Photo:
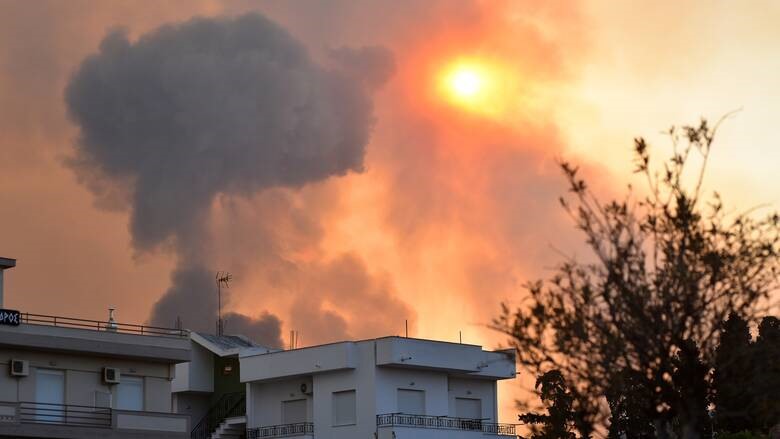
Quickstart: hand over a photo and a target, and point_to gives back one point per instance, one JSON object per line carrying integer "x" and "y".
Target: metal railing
{"x": 229, "y": 405}
{"x": 98, "y": 325}
{"x": 284, "y": 430}
{"x": 64, "y": 414}
{"x": 445, "y": 423}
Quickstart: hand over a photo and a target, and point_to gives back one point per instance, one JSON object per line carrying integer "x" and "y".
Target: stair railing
{"x": 228, "y": 406}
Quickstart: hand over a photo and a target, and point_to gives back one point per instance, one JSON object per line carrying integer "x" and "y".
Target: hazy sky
{"x": 445, "y": 204}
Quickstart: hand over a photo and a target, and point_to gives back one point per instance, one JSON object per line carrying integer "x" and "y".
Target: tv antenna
{"x": 222, "y": 278}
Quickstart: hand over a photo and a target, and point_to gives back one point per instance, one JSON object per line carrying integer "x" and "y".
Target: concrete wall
{"x": 362, "y": 379}
{"x": 455, "y": 357}
{"x": 299, "y": 362}
{"x": 161, "y": 349}
{"x": 194, "y": 405}
{"x": 434, "y": 384}
{"x": 196, "y": 375}
{"x": 83, "y": 377}
{"x": 154, "y": 422}
{"x": 483, "y": 390}
{"x": 267, "y": 398}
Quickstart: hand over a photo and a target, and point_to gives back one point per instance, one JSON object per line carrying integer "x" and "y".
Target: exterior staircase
{"x": 231, "y": 428}
{"x": 225, "y": 419}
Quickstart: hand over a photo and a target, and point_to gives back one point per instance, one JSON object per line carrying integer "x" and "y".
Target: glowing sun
{"x": 466, "y": 82}
{"x": 486, "y": 87}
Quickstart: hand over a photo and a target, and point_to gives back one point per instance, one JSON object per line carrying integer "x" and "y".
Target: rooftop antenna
{"x": 222, "y": 278}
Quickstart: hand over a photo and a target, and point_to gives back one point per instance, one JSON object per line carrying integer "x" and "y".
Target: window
{"x": 411, "y": 402}
{"x": 344, "y": 408}
{"x": 49, "y": 395}
{"x": 294, "y": 412}
{"x": 130, "y": 393}
{"x": 468, "y": 408}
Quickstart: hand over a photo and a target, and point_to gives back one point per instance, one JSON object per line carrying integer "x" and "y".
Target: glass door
{"x": 50, "y": 395}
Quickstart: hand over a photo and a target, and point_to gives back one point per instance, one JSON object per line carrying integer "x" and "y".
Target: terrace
{"x": 84, "y": 336}
{"x": 87, "y": 421}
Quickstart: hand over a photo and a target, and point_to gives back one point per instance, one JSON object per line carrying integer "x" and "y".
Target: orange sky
{"x": 454, "y": 209}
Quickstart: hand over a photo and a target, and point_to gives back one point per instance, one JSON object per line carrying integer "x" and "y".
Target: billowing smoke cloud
{"x": 372, "y": 64}
{"x": 214, "y": 106}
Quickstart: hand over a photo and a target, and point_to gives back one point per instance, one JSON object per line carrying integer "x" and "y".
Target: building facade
{"x": 208, "y": 387}
{"x": 75, "y": 378}
{"x": 385, "y": 388}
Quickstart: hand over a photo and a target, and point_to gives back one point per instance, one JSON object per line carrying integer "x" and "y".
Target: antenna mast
{"x": 222, "y": 278}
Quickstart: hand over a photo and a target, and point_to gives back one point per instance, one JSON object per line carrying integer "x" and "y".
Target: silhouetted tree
{"x": 631, "y": 412}
{"x": 558, "y": 421}
{"x": 733, "y": 377}
{"x": 766, "y": 381}
{"x": 666, "y": 268}
{"x": 690, "y": 381}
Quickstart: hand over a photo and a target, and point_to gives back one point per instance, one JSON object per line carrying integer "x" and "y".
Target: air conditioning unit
{"x": 306, "y": 389}
{"x": 20, "y": 368}
{"x": 111, "y": 375}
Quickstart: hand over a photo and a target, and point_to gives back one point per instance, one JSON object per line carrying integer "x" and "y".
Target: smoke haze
{"x": 402, "y": 207}
{"x": 230, "y": 106}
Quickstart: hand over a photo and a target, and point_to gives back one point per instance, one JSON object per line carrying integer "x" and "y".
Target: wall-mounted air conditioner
{"x": 20, "y": 368}
{"x": 111, "y": 375}
{"x": 306, "y": 389}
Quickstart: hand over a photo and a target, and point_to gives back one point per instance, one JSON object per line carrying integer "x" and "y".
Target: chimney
{"x": 5, "y": 263}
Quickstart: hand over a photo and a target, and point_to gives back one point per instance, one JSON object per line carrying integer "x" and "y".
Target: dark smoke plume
{"x": 213, "y": 106}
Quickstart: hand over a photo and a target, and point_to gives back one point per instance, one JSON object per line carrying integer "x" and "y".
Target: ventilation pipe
{"x": 5, "y": 263}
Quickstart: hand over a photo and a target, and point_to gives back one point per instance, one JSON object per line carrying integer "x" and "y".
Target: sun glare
{"x": 465, "y": 82}
{"x": 477, "y": 86}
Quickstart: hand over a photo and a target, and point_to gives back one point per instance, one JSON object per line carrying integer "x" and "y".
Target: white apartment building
{"x": 76, "y": 378}
{"x": 387, "y": 388}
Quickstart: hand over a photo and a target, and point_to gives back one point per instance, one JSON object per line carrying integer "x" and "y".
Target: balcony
{"x": 403, "y": 426}
{"x": 68, "y": 420}
{"x": 303, "y": 430}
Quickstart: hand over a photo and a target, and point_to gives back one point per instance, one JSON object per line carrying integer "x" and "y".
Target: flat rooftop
{"x": 95, "y": 337}
{"x": 391, "y": 352}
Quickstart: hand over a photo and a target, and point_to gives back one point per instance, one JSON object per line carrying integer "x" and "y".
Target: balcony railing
{"x": 286, "y": 430}
{"x": 98, "y": 325}
{"x": 64, "y": 414}
{"x": 445, "y": 423}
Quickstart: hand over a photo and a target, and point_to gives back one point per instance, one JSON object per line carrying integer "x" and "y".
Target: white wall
{"x": 83, "y": 376}
{"x": 434, "y": 384}
{"x": 485, "y": 390}
{"x": 195, "y": 405}
{"x": 266, "y": 400}
{"x": 196, "y": 375}
{"x": 362, "y": 380}
{"x": 376, "y": 389}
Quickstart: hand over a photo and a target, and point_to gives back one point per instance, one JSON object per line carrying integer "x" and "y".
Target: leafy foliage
{"x": 558, "y": 400}
{"x": 630, "y": 408}
{"x": 667, "y": 269}
{"x": 766, "y": 381}
{"x": 732, "y": 379}
{"x": 690, "y": 381}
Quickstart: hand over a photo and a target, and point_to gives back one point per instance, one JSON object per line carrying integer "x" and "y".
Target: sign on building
{"x": 10, "y": 317}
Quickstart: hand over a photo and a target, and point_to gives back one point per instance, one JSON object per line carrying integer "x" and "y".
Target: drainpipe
{"x": 5, "y": 263}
